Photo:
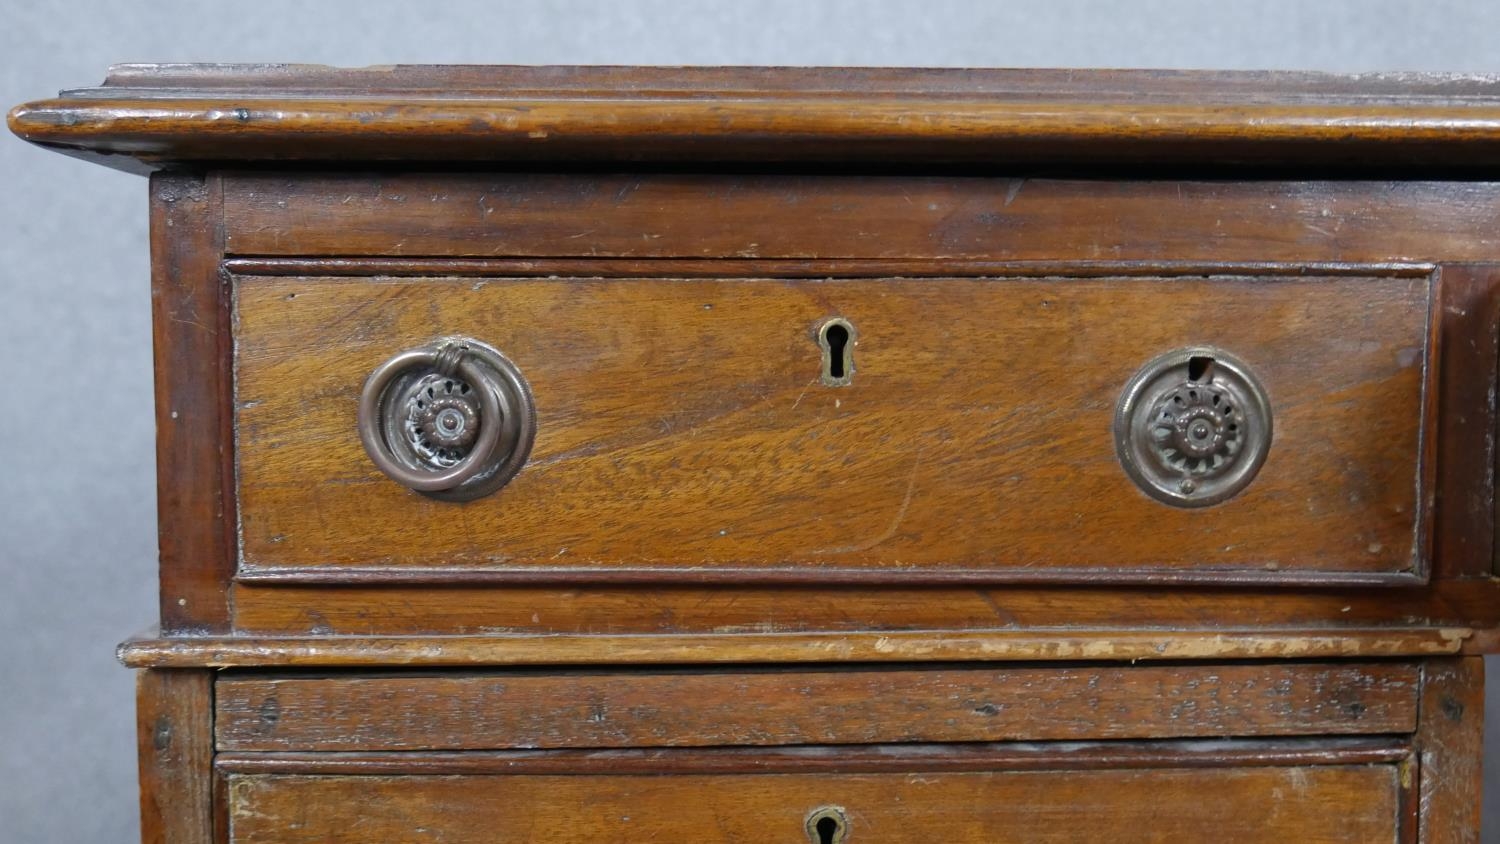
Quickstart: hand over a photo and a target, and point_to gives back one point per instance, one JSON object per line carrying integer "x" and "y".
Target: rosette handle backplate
{"x": 1193, "y": 427}
{"x": 453, "y": 419}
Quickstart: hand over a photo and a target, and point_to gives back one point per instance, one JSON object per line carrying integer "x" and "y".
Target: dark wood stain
{"x": 143, "y": 117}
{"x": 894, "y": 218}
{"x": 194, "y": 451}
{"x": 908, "y": 758}
{"x": 394, "y": 610}
{"x": 174, "y": 717}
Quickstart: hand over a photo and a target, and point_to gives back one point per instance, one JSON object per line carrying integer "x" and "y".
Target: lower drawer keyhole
{"x": 827, "y": 826}
{"x": 836, "y": 338}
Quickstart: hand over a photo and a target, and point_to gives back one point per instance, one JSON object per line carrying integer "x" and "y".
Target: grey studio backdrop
{"x": 77, "y": 515}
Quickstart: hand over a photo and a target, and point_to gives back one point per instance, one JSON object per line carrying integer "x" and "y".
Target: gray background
{"x": 77, "y": 502}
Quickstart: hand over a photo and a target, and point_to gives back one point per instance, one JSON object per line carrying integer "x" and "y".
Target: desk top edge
{"x": 146, "y": 116}
{"x": 623, "y": 81}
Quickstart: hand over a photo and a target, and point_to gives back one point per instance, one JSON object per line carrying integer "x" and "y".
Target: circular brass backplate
{"x": 1193, "y": 427}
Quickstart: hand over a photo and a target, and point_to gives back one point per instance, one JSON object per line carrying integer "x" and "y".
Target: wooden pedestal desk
{"x": 777, "y": 455}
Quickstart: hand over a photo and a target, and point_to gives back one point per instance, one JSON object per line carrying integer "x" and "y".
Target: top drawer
{"x": 975, "y": 429}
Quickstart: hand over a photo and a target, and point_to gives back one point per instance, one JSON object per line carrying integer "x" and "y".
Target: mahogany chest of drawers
{"x": 774, "y": 455}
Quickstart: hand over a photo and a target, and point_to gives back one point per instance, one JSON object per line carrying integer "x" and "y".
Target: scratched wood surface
{"x": 649, "y": 82}
{"x": 191, "y": 339}
{"x": 1450, "y": 749}
{"x": 148, "y": 116}
{"x": 901, "y": 218}
{"x": 1310, "y": 805}
{"x": 731, "y": 648}
{"x": 1469, "y": 339}
{"x": 906, "y": 758}
{"x": 175, "y": 749}
{"x": 683, "y": 430}
{"x": 518, "y": 709}
{"x": 385, "y": 610}
{"x": 808, "y": 526}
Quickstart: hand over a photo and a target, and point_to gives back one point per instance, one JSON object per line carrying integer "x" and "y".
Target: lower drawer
{"x": 1201, "y": 793}
{"x": 953, "y": 753}
{"x": 515, "y": 709}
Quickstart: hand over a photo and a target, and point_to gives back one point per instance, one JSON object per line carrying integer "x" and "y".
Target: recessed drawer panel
{"x": 1222, "y": 429}
{"x": 1308, "y": 804}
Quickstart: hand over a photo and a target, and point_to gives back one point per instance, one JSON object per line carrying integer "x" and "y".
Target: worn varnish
{"x": 906, "y": 219}
{"x": 843, "y": 759}
{"x": 1306, "y": 804}
{"x": 732, "y": 598}
{"x": 151, "y": 116}
{"x": 453, "y": 610}
{"x": 503, "y": 710}
{"x": 194, "y": 468}
{"x": 174, "y": 732}
{"x": 1469, "y": 340}
{"x": 1450, "y": 744}
{"x": 683, "y": 431}
{"x": 892, "y": 646}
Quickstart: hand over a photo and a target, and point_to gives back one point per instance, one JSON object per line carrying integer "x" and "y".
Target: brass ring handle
{"x": 453, "y": 420}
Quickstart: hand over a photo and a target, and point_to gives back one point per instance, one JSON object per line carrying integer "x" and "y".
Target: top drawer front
{"x": 683, "y": 431}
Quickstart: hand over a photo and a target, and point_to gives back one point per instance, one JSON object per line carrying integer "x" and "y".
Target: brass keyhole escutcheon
{"x": 836, "y": 338}
{"x": 827, "y": 825}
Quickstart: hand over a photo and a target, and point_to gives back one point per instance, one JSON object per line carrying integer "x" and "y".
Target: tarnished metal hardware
{"x": 1193, "y": 427}
{"x": 827, "y": 825}
{"x": 836, "y": 337}
{"x": 453, "y": 420}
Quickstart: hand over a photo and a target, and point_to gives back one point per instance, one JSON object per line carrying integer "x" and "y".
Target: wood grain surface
{"x": 906, "y": 758}
{"x": 1450, "y": 748}
{"x": 474, "y": 711}
{"x": 191, "y": 339}
{"x": 467, "y": 610}
{"x": 1469, "y": 338}
{"x": 175, "y": 749}
{"x": 1309, "y": 805}
{"x": 683, "y": 432}
{"x": 152, "y": 116}
{"x": 862, "y": 646}
{"x": 648, "y": 82}
{"x": 724, "y": 596}
{"x": 903, "y": 218}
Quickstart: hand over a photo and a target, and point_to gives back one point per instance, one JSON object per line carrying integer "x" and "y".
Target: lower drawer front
{"x": 502, "y": 710}
{"x": 1345, "y": 803}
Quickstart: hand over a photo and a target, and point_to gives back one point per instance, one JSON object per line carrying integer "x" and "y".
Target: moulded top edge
{"x": 146, "y": 117}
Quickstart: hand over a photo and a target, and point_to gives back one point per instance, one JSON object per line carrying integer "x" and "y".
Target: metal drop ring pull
{"x": 1193, "y": 427}
{"x": 453, "y": 420}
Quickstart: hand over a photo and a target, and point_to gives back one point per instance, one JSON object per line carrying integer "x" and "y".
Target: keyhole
{"x": 827, "y": 826}
{"x": 836, "y": 337}
{"x": 1200, "y": 368}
